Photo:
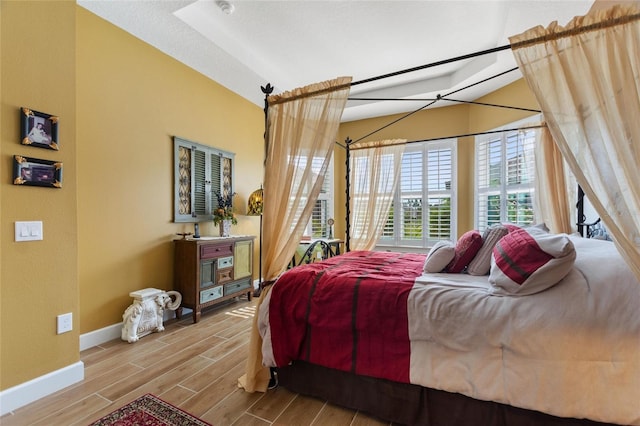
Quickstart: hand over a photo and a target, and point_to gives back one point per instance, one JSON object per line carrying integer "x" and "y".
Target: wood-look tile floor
{"x": 192, "y": 366}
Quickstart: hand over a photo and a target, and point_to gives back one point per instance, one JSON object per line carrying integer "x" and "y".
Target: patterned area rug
{"x": 149, "y": 410}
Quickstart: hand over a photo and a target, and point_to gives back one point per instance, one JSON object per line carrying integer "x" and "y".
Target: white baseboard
{"x": 25, "y": 393}
{"x": 100, "y": 336}
{"x": 111, "y": 332}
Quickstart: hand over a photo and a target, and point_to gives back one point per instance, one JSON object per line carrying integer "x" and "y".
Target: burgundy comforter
{"x": 348, "y": 313}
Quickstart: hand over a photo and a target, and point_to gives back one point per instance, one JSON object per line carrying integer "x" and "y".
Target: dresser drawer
{"x": 237, "y": 286}
{"x": 210, "y": 294}
{"x": 224, "y": 275}
{"x": 216, "y": 250}
{"x": 225, "y": 262}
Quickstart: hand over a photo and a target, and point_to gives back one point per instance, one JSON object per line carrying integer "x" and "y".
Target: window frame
{"x": 505, "y": 189}
{"x": 397, "y": 241}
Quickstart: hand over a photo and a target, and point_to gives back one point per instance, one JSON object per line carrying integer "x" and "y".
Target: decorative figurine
{"x": 145, "y": 315}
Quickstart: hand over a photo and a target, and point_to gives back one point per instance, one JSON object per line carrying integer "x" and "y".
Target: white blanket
{"x": 572, "y": 350}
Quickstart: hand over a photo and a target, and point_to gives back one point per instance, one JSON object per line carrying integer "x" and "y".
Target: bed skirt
{"x": 407, "y": 404}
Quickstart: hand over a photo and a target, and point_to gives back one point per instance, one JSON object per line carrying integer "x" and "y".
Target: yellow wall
{"x": 131, "y": 100}
{"x": 435, "y": 123}
{"x": 108, "y": 231}
{"x": 39, "y": 279}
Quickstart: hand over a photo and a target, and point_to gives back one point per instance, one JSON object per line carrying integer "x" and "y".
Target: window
{"x": 323, "y": 208}
{"x": 424, "y": 201}
{"x": 199, "y": 171}
{"x": 505, "y": 177}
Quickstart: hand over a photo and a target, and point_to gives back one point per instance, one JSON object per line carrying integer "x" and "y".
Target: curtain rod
{"x": 432, "y": 64}
{"x": 444, "y": 99}
{"x": 578, "y": 30}
{"x": 405, "y": 71}
{"x": 598, "y": 25}
{"x": 603, "y": 24}
{"x": 489, "y": 132}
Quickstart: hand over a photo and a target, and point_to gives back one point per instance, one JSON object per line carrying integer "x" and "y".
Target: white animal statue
{"x": 145, "y": 314}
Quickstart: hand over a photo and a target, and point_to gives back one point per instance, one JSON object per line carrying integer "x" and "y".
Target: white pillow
{"x": 481, "y": 264}
{"x": 440, "y": 255}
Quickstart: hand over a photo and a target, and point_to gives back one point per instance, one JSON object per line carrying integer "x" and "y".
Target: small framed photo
{"x": 39, "y": 129}
{"x": 35, "y": 172}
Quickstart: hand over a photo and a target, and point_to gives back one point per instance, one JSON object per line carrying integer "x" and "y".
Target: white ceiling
{"x": 292, "y": 44}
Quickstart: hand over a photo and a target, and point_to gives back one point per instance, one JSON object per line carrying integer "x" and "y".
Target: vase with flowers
{"x": 223, "y": 215}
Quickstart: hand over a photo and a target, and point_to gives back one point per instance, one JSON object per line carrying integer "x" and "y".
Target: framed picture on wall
{"x": 36, "y": 172}
{"x": 38, "y": 129}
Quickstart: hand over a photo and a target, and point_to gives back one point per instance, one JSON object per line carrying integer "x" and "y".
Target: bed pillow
{"x": 440, "y": 255}
{"x": 511, "y": 226}
{"x": 481, "y": 263}
{"x": 466, "y": 249}
{"x": 525, "y": 263}
{"x": 539, "y": 228}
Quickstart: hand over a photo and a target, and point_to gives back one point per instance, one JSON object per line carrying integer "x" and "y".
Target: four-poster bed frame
{"x": 402, "y": 402}
{"x": 349, "y": 143}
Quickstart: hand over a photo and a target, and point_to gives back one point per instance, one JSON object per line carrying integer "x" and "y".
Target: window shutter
{"x": 323, "y": 207}
{"x": 489, "y": 178}
{"x": 199, "y": 182}
{"x": 387, "y": 232}
{"x": 411, "y": 196}
{"x": 199, "y": 171}
{"x": 215, "y": 177}
{"x": 505, "y": 177}
{"x": 439, "y": 180}
{"x": 424, "y": 203}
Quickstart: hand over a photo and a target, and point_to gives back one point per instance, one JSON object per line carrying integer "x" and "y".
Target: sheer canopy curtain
{"x": 586, "y": 78}
{"x": 375, "y": 171}
{"x": 301, "y": 125}
{"x": 555, "y": 194}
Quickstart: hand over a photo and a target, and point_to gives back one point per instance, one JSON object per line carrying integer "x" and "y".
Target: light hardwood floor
{"x": 192, "y": 366}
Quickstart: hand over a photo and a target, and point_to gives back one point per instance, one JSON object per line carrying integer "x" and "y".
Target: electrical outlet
{"x": 65, "y": 323}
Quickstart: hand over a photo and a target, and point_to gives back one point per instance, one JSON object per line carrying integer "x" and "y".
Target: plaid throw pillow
{"x": 525, "y": 263}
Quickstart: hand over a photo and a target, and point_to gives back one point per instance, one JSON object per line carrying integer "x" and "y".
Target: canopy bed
{"x": 552, "y": 338}
{"x": 370, "y": 331}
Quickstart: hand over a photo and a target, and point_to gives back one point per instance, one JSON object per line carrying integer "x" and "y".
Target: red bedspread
{"x": 348, "y": 312}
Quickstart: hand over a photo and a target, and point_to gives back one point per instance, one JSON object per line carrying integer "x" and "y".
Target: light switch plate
{"x": 29, "y": 231}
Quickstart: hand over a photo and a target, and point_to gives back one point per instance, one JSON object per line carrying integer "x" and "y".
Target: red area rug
{"x": 149, "y": 410}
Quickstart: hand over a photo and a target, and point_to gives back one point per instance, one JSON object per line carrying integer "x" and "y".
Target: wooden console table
{"x": 209, "y": 270}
